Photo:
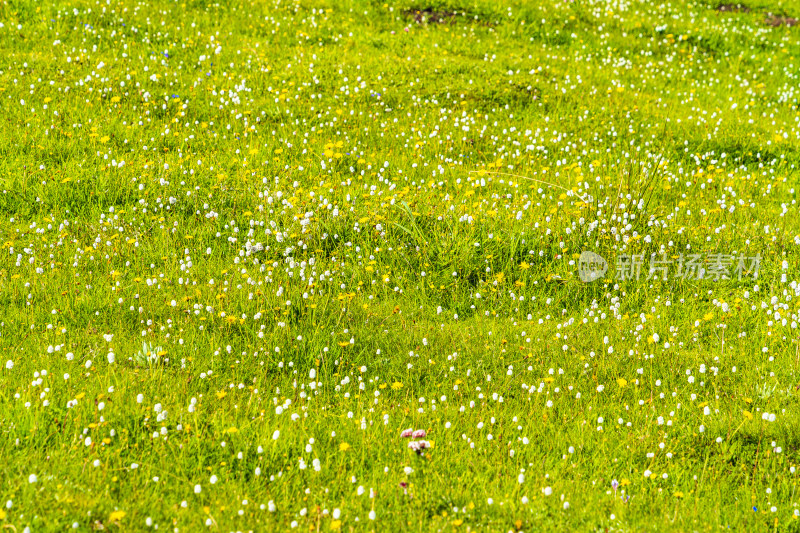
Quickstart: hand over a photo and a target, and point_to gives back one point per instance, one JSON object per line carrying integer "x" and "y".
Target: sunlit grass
{"x": 245, "y": 246}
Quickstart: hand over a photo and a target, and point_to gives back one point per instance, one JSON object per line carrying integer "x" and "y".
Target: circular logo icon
{"x": 591, "y": 267}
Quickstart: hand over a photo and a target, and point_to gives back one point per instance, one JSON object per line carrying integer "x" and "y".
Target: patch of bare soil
{"x": 781, "y": 20}
{"x": 429, "y": 15}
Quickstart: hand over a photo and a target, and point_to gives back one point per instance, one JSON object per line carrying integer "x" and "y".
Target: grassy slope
{"x": 369, "y": 189}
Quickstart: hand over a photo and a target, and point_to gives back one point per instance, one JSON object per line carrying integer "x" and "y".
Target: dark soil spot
{"x": 733, "y": 8}
{"x": 430, "y": 15}
{"x": 781, "y": 20}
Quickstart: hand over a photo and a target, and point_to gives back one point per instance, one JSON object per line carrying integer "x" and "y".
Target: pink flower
{"x": 419, "y": 445}
{"x": 407, "y": 433}
{"x": 418, "y": 434}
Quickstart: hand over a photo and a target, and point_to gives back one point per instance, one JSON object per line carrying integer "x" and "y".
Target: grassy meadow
{"x": 245, "y": 246}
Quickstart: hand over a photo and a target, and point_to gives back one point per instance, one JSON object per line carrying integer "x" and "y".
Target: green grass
{"x": 410, "y": 276}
